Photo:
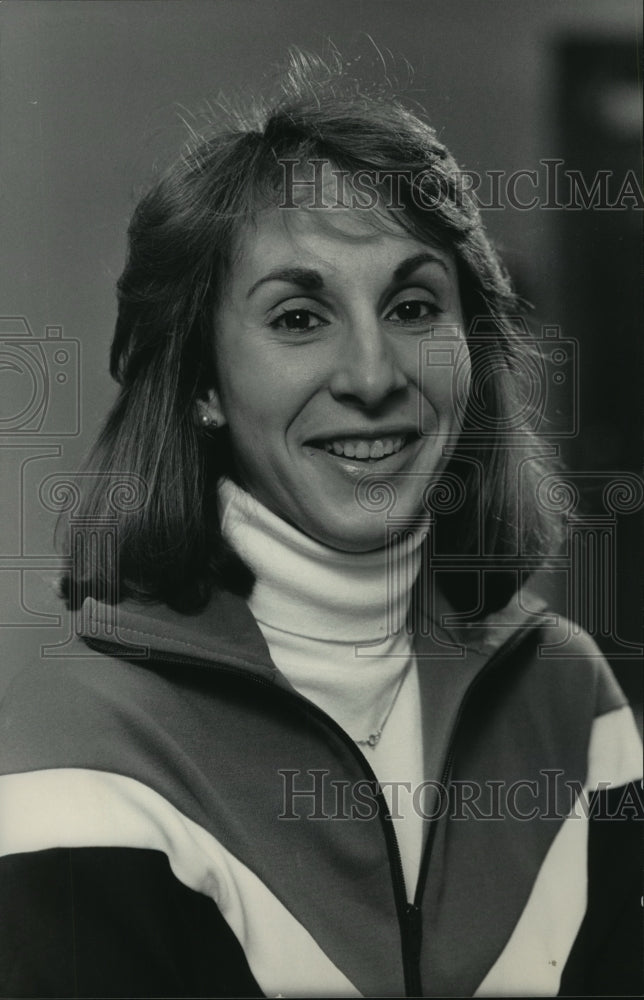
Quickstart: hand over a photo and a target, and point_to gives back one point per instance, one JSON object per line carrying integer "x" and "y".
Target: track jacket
{"x": 175, "y": 820}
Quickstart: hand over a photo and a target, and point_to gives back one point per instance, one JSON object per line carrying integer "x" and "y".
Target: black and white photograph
{"x": 321, "y": 552}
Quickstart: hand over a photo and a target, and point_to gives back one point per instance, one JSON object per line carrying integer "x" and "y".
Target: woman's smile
{"x": 356, "y": 454}
{"x": 321, "y": 373}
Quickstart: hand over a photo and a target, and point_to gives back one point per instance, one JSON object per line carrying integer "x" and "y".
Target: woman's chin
{"x": 350, "y": 530}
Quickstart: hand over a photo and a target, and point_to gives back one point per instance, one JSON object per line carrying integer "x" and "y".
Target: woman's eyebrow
{"x": 306, "y": 278}
{"x": 312, "y": 281}
{"x": 411, "y": 264}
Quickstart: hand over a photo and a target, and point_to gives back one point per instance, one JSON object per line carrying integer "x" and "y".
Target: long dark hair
{"x": 169, "y": 547}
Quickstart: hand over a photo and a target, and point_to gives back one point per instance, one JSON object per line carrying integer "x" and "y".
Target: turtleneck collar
{"x": 306, "y": 588}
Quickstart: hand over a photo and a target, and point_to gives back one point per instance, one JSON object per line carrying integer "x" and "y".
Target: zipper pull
{"x": 414, "y": 929}
{"x": 413, "y": 939}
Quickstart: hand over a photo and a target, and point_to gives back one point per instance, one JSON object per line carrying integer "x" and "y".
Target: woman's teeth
{"x": 362, "y": 449}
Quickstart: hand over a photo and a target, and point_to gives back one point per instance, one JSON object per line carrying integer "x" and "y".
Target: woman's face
{"x": 321, "y": 376}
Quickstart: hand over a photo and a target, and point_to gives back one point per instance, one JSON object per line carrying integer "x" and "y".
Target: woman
{"x": 306, "y": 743}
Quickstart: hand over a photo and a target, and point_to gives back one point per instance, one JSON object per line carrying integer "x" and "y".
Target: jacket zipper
{"x": 409, "y": 914}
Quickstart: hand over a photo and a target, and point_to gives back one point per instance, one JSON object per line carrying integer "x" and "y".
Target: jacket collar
{"x": 485, "y": 636}
{"x": 225, "y": 632}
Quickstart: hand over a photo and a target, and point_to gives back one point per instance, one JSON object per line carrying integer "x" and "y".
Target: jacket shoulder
{"x": 571, "y": 651}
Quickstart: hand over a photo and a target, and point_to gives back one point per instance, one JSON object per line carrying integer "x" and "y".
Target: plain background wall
{"x": 92, "y": 95}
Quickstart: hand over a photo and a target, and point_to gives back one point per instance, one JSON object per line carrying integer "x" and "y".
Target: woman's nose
{"x": 366, "y": 367}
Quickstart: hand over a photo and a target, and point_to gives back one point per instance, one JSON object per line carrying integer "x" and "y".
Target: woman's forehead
{"x": 324, "y": 235}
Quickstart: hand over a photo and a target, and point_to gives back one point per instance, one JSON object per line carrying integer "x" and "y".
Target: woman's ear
{"x": 209, "y": 411}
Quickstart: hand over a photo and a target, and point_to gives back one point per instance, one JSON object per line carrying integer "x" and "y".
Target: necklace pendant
{"x": 374, "y": 738}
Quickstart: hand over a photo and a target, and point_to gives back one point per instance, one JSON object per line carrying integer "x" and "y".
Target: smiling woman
{"x": 312, "y": 737}
{"x": 278, "y": 204}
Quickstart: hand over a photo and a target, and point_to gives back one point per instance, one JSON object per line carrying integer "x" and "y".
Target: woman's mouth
{"x": 364, "y": 449}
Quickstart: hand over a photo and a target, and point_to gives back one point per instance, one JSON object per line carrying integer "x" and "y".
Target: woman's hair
{"x": 182, "y": 237}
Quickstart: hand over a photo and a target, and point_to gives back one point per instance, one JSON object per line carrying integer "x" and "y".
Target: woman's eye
{"x": 297, "y": 321}
{"x": 413, "y": 311}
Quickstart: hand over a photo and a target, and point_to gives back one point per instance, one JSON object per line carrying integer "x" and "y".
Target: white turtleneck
{"x": 318, "y": 609}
